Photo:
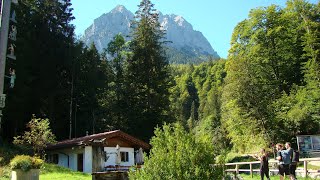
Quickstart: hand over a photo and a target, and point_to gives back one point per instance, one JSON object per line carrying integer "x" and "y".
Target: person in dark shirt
{"x": 281, "y": 167}
{"x": 294, "y": 161}
{"x": 264, "y": 164}
{"x": 284, "y": 157}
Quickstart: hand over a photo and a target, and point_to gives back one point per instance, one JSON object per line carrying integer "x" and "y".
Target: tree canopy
{"x": 266, "y": 91}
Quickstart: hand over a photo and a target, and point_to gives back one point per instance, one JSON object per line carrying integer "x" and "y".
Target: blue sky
{"x": 214, "y": 18}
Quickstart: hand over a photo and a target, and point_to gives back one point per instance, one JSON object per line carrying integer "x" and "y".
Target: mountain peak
{"x": 179, "y": 20}
{"x": 119, "y": 8}
{"x": 186, "y": 42}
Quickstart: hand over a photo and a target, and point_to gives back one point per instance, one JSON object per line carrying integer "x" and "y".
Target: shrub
{"x": 178, "y": 154}
{"x": 8, "y": 151}
{"x": 38, "y": 137}
{"x": 25, "y": 163}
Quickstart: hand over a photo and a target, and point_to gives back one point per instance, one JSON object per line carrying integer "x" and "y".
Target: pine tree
{"x": 44, "y": 50}
{"x": 147, "y": 72}
{"x": 118, "y": 106}
{"x": 87, "y": 83}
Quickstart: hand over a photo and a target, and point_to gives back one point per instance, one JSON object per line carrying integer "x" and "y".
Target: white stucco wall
{"x": 73, "y": 161}
{"x": 87, "y": 157}
{"x": 63, "y": 160}
{"x": 73, "y": 157}
{"x": 87, "y": 168}
{"x": 111, "y": 152}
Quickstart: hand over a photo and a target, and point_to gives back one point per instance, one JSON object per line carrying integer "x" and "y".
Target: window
{"x": 124, "y": 156}
{"x": 53, "y": 158}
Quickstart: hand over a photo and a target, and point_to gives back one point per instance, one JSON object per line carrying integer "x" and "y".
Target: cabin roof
{"x": 100, "y": 137}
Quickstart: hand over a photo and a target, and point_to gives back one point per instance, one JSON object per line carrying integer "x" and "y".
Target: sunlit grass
{"x": 257, "y": 177}
{"x": 52, "y": 172}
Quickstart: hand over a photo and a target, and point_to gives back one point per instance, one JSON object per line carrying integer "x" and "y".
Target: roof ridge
{"x": 108, "y": 134}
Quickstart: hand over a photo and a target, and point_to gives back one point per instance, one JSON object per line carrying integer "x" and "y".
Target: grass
{"x": 47, "y": 171}
{"x": 257, "y": 177}
{"x": 310, "y": 166}
{"x": 50, "y": 172}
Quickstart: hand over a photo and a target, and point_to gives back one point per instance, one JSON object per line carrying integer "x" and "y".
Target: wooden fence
{"x": 237, "y": 169}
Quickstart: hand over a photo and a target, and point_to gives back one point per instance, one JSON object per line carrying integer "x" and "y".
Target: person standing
{"x": 294, "y": 161}
{"x": 264, "y": 165}
{"x": 284, "y": 157}
{"x": 283, "y": 164}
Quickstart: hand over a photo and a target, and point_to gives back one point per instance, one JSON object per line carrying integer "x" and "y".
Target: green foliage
{"x": 299, "y": 111}
{"x": 5, "y": 172}
{"x": 38, "y": 136}
{"x": 89, "y": 78}
{"x": 178, "y": 154}
{"x": 148, "y": 74}
{"x": 44, "y": 50}
{"x": 114, "y": 98}
{"x": 25, "y": 163}
{"x": 8, "y": 151}
{"x": 196, "y": 99}
{"x": 267, "y": 95}
{"x": 267, "y": 91}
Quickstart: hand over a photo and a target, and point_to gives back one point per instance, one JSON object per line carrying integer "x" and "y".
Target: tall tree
{"x": 88, "y": 84}
{"x": 44, "y": 50}
{"x": 299, "y": 111}
{"x": 265, "y": 62}
{"x": 147, "y": 73}
{"x": 118, "y": 50}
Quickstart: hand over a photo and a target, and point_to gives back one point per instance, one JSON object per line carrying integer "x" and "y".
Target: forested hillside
{"x": 266, "y": 91}
{"x": 272, "y": 89}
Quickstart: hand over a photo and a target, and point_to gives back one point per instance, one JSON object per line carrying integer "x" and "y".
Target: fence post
{"x": 251, "y": 170}
{"x": 305, "y": 166}
{"x": 237, "y": 169}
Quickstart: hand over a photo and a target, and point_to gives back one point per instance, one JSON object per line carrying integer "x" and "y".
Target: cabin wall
{"x": 97, "y": 159}
{"x": 63, "y": 160}
{"x": 67, "y": 157}
{"x": 111, "y": 154}
{"x": 87, "y": 159}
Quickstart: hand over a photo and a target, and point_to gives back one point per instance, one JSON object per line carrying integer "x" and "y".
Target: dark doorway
{"x": 80, "y": 162}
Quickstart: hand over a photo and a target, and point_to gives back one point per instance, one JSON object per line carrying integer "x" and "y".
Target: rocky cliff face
{"x": 186, "y": 42}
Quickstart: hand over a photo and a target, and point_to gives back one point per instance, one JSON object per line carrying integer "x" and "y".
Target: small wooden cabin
{"x": 98, "y": 152}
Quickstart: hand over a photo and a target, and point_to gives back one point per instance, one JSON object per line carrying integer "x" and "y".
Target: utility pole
{"x": 71, "y": 98}
{"x": 5, "y": 16}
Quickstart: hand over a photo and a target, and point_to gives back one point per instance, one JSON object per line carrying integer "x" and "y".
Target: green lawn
{"x": 52, "y": 172}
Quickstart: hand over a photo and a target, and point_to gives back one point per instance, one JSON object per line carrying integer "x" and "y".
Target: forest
{"x": 266, "y": 91}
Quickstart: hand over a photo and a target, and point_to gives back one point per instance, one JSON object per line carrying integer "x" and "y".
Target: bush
{"x": 8, "y": 151}
{"x": 178, "y": 154}
{"x": 25, "y": 163}
{"x": 38, "y": 137}
{"x": 5, "y": 172}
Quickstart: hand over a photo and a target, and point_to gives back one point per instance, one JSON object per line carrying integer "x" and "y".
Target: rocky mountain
{"x": 187, "y": 45}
